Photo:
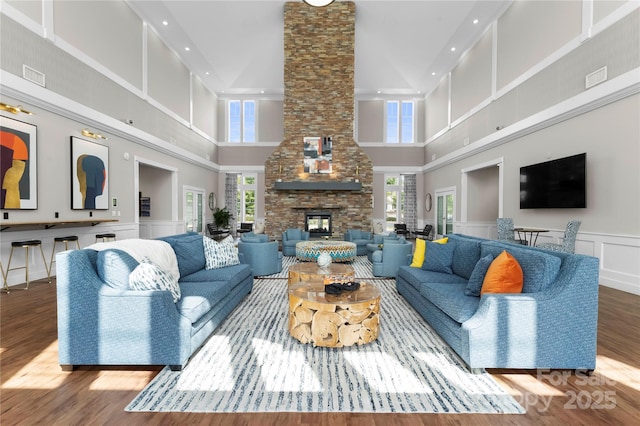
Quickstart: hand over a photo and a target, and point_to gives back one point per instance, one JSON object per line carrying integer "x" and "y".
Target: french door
{"x": 445, "y": 211}
{"x": 193, "y": 209}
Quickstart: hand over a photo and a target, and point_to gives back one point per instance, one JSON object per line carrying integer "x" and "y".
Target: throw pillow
{"x": 438, "y": 257}
{"x": 114, "y": 267}
{"x": 149, "y": 276}
{"x": 477, "y": 276}
{"x": 503, "y": 276}
{"x": 418, "y": 254}
{"x": 220, "y": 254}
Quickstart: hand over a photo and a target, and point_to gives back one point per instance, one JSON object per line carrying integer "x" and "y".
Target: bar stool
{"x": 25, "y": 245}
{"x": 66, "y": 241}
{"x": 106, "y": 237}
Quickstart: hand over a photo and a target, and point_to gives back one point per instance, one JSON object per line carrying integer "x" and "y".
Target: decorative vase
{"x": 324, "y": 260}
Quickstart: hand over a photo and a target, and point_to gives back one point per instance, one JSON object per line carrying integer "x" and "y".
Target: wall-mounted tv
{"x": 560, "y": 183}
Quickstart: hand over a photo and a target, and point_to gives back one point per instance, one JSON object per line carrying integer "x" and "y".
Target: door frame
{"x": 451, "y": 190}
{"x": 498, "y": 162}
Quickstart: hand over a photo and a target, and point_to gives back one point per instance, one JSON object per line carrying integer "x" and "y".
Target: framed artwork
{"x": 89, "y": 175}
{"x": 19, "y": 165}
{"x": 317, "y": 154}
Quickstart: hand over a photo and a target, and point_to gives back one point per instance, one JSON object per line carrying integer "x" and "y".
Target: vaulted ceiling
{"x": 402, "y": 47}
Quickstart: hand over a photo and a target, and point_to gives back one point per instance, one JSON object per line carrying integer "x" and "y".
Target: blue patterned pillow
{"x": 149, "y": 276}
{"x": 477, "y": 276}
{"x": 438, "y": 257}
{"x": 220, "y": 254}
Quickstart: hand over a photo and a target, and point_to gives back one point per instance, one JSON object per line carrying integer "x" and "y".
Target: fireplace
{"x": 317, "y": 223}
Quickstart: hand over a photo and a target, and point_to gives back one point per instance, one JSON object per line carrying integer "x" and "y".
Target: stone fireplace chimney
{"x": 319, "y": 48}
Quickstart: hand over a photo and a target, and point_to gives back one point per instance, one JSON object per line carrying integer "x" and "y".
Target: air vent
{"x": 596, "y": 77}
{"x": 32, "y": 75}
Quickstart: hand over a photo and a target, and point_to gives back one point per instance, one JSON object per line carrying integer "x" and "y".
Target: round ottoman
{"x": 340, "y": 251}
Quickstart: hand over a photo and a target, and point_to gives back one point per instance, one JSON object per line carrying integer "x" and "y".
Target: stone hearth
{"x": 319, "y": 102}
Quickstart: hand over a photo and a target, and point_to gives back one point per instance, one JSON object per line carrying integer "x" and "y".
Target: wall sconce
{"x": 14, "y": 109}
{"x": 318, "y": 3}
{"x": 357, "y": 179}
{"x": 279, "y": 173}
{"x": 86, "y": 132}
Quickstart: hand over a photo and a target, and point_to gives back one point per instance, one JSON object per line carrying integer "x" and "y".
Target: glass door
{"x": 194, "y": 209}
{"x": 445, "y": 212}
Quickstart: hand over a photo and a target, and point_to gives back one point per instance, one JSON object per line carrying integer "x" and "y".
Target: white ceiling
{"x": 399, "y": 44}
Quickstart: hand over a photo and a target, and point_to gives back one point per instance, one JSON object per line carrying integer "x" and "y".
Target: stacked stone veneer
{"x": 318, "y": 101}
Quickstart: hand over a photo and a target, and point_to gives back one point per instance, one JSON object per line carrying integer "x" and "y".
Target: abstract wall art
{"x": 317, "y": 154}
{"x": 18, "y": 165}
{"x": 89, "y": 175}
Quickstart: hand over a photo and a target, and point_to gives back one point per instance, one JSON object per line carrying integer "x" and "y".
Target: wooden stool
{"x": 66, "y": 241}
{"x": 25, "y": 245}
{"x": 106, "y": 237}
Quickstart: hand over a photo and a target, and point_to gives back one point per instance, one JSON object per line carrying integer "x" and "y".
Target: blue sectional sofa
{"x": 551, "y": 324}
{"x": 102, "y": 321}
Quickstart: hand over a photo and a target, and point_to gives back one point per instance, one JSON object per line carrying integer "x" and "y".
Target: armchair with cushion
{"x": 290, "y": 238}
{"x": 245, "y": 227}
{"x": 400, "y": 228}
{"x": 379, "y": 240}
{"x": 425, "y": 233}
{"x": 251, "y": 237}
{"x": 263, "y": 256}
{"x": 360, "y": 238}
{"x": 388, "y": 260}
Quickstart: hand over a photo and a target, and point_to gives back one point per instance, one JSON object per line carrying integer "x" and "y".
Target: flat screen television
{"x": 558, "y": 184}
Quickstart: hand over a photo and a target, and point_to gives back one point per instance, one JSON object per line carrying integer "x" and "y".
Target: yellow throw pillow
{"x": 503, "y": 276}
{"x": 418, "y": 254}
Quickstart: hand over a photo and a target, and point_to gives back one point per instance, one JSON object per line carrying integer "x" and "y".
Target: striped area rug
{"x": 251, "y": 364}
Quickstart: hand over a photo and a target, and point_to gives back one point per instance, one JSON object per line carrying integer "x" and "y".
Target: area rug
{"x": 252, "y": 364}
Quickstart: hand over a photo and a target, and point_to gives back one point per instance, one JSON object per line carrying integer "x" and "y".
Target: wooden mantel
{"x": 317, "y": 186}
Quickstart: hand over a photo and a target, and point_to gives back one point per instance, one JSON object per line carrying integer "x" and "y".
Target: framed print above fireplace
{"x": 317, "y": 154}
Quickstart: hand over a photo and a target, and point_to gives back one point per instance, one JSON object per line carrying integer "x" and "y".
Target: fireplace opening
{"x": 318, "y": 223}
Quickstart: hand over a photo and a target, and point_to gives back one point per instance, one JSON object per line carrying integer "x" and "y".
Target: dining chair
{"x": 568, "y": 240}
{"x": 506, "y": 232}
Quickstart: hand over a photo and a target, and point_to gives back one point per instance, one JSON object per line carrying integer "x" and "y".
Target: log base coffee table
{"x": 334, "y": 321}
{"x": 311, "y": 272}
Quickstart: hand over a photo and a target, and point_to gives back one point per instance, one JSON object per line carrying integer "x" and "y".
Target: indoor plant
{"x": 222, "y": 217}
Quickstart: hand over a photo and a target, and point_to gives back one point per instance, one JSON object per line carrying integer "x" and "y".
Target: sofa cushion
{"x": 220, "y": 254}
{"x": 149, "y": 276}
{"x": 114, "y": 267}
{"x": 416, "y": 276}
{"x": 199, "y": 297}
{"x": 377, "y": 256}
{"x": 503, "y": 276}
{"x": 294, "y": 234}
{"x": 232, "y": 274}
{"x": 477, "y": 276}
{"x": 539, "y": 268}
{"x": 438, "y": 257}
{"x": 255, "y": 239}
{"x": 450, "y": 298}
{"x": 465, "y": 256}
{"x": 189, "y": 252}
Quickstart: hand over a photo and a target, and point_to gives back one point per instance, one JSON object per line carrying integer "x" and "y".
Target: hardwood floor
{"x": 35, "y": 390}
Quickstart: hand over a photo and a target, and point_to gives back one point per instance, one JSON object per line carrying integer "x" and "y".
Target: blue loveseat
{"x": 102, "y": 321}
{"x": 552, "y": 324}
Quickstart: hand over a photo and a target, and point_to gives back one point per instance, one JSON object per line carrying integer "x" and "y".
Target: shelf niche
{"x": 317, "y": 186}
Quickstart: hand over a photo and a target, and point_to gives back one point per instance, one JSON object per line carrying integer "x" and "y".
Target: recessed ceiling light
{"x": 453, "y": 49}
{"x": 206, "y": 73}
{"x": 379, "y": 91}
{"x": 187, "y": 48}
{"x": 262, "y": 91}
{"x": 165, "y": 23}
{"x": 433, "y": 73}
{"x": 419, "y": 91}
{"x": 475, "y": 21}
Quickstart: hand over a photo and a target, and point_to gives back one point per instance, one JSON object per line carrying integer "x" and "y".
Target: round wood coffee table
{"x": 311, "y": 272}
{"x": 334, "y": 321}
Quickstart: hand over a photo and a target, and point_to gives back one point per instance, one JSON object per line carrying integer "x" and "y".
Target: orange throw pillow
{"x": 504, "y": 275}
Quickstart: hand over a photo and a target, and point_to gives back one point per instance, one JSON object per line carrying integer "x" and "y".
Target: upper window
{"x": 242, "y": 121}
{"x": 400, "y": 121}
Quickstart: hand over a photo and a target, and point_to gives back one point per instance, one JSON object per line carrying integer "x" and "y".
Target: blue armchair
{"x": 380, "y": 239}
{"x": 387, "y": 261}
{"x": 361, "y": 238}
{"x": 290, "y": 238}
{"x": 251, "y": 237}
{"x": 263, "y": 257}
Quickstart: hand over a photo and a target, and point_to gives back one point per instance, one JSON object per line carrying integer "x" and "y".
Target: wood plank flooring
{"x": 34, "y": 390}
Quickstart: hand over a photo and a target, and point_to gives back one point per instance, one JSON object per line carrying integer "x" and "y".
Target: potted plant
{"x": 222, "y": 217}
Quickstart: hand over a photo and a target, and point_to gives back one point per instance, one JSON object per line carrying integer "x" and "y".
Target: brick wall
{"x": 318, "y": 101}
